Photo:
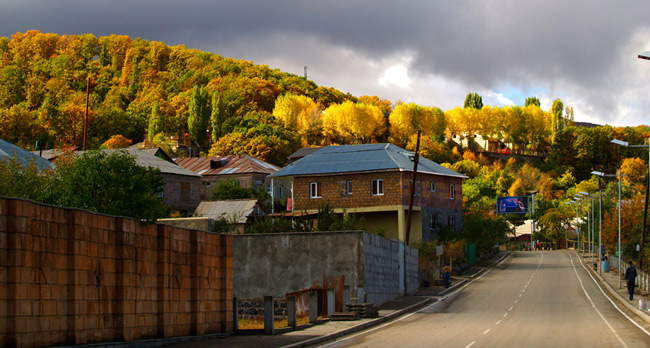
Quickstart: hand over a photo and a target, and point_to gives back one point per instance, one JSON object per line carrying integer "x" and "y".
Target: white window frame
{"x": 434, "y": 186}
{"x": 315, "y": 190}
{"x": 432, "y": 222}
{"x": 348, "y": 187}
{"x": 375, "y": 186}
{"x": 452, "y": 191}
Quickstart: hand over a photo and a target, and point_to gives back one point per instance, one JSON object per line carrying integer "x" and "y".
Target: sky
{"x": 430, "y": 52}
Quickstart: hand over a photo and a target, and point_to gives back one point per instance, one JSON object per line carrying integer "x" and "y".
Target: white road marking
{"x": 469, "y": 345}
{"x": 594, "y": 306}
{"x": 410, "y": 314}
{"x": 498, "y": 322}
{"x": 505, "y": 314}
{"x": 511, "y": 308}
{"x": 612, "y": 302}
{"x": 486, "y": 331}
{"x": 517, "y": 300}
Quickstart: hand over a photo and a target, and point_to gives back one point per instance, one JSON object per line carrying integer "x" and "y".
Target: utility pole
{"x": 408, "y": 215}
{"x": 412, "y": 193}
{"x": 86, "y": 115}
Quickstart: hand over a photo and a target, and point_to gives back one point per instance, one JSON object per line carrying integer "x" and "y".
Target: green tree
{"x": 230, "y": 189}
{"x": 199, "y": 114}
{"x": 155, "y": 122}
{"x": 111, "y": 183}
{"x": 532, "y": 101}
{"x": 557, "y": 120}
{"x": 474, "y": 101}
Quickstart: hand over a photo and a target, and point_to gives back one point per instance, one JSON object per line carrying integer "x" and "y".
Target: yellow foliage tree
{"x": 633, "y": 170}
{"x": 300, "y": 113}
{"x": 352, "y": 123}
{"x": 407, "y": 119}
{"x": 517, "y": 188}
{"x": 117, "y": 142}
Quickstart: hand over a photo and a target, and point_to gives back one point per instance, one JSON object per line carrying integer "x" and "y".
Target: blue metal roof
{"x": 24, "y": 157}
{"x": 361, "y": 158}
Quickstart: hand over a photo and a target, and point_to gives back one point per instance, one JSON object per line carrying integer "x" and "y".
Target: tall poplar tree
{"x": 557, "y": 120}
{"x": 532, "y": 101}
{"x": 473, "y": 100}
{"x": 199, "y": 114}
{"x": 155, "y": 122}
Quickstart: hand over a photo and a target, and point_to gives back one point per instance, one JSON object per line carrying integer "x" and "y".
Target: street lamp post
{"x": 578, "y": 200}
{"x": 576, "y": 223}
{"x": 600, "y": 216}
{"x": 644, "y": 55}
{"x": 586, "y": 195}
{"x": 619, "y": 227}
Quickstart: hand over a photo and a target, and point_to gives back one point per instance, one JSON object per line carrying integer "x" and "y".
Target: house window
{"x": 432, "y": 222}
{"x": 348, "y": 187}
{"x": 377, "y": 187}
{"x": 452, "y": 221}
{"x": 314, "y": 190}
{"x": 269, "y": 190}
{"x": 452, "y": 192}
{"x": 281, "y": 191}
{"x": 434, "y": 187}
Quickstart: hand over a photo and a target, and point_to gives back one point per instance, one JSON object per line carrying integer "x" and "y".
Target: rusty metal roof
{"x": 361, "y": 158}
{"x": 222, "y": 165}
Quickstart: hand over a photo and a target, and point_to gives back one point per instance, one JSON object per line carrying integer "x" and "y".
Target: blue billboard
{"x": 510, "y": 205}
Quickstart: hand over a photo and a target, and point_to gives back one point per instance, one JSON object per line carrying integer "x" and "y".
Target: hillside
{"x": 43, "y": 87}
{"x": 145, "y": 89}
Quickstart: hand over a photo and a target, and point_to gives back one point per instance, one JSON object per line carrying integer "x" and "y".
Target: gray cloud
{"x": 583, "y": 52}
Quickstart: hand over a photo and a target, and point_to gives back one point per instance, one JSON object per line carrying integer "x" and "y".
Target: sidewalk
{"x": 610, "y": 283}
{"x": 330, "y": 330}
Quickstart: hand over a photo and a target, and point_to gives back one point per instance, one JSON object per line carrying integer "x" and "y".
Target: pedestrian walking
{"x": 630, "y": 277}
{"x": 446, "y": 276}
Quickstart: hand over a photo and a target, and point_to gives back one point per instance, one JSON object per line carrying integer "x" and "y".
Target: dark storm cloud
{"x": 563, "y": 46}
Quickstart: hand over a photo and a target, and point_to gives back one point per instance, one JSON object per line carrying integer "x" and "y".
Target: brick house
{"x": 373, "y": 182}
{"x": 246, "y": 170}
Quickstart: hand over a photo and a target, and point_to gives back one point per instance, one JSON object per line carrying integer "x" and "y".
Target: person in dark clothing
{"x": 446, "y": 276}
{"x": 630, "y": 277}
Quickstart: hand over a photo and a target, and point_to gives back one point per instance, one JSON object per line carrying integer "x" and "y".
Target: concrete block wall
{"x": 383, "y": 272}
{"x": 72, "y": 277}
{"x": 275, "y": 264}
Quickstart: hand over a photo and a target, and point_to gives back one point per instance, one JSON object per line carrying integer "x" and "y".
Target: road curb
{"x": 360, "y": 327}
{"x": 639, "y": 313}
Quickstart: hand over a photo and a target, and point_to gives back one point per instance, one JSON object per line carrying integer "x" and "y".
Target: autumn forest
{"x": 141, "y": 90}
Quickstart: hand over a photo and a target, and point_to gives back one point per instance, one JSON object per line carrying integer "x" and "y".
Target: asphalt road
{"x": 533, "y": 299}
